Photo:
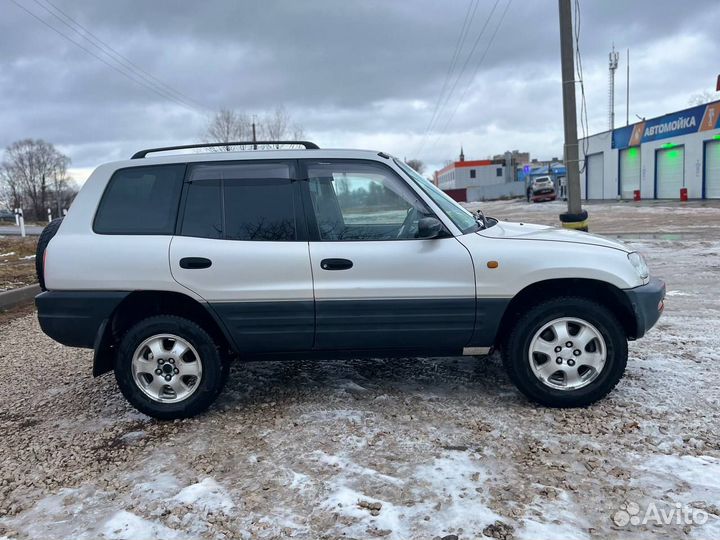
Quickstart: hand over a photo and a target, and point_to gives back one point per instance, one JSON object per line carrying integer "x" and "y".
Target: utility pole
{"x": 254, "y": 135}
{"x": 627, "y": 91}
{"x": 575, "y": 217}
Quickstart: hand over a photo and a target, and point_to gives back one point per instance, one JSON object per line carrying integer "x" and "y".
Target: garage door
{"x": 712, "y": 170}
{"x": 669, "y": 172}
{"x": 594, "y": 175}
{"x": 629, "y": 172}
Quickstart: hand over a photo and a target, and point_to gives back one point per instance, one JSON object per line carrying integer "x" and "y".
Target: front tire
{"x": 168, "y": 367}
{"x": 566, "y": 352}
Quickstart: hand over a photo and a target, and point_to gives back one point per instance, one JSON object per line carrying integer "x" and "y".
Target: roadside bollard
{"x": 578, "y": 222}
{"x": 21, "y": 221}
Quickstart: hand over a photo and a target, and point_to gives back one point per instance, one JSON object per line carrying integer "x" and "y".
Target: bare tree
{"x": 32, "y": 172}
{"x": 65, "y": 191}
{"x": 10, "y": 193}
{"x": 701, "y": 98}
{"x": 227, "y": 126}
{"x": 275, "y": 125}
{"x": 416, "y": 164}
{"x": 279, "y": 126}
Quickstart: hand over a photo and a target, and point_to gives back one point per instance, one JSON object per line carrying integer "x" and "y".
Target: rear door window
{"x": 259, "y": 209}
{"x": 141, "y": 200}
{"x": 203, "y": 210}
{"x": 241, "y": 201}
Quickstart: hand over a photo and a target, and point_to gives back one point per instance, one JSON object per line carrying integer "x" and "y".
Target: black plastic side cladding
{"x": 488, "y": 315}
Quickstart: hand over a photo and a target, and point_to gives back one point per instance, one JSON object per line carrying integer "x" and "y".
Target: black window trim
{"x": 301, "y": 228}
{"x": 310, "y": 218}
{"x": 139, "y": 166}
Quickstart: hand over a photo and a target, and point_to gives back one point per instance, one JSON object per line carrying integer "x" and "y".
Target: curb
{"x": 16, "y": 296}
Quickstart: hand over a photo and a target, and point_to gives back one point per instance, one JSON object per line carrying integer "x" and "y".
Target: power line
{"x": 111, "y": 52}
{"x": 583, "y": 103}
{"x": 123, "y": 71}
{"x": 469, "y": 16}
{"x": 477, "y": 68}
{"x": 468, "y": 57}
{"x": 472, "y": 51}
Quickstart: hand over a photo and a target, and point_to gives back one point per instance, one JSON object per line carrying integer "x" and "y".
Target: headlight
{"x": 639, "y": 264}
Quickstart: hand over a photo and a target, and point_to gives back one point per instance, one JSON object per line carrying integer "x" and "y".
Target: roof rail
{"x": 143, "y": 153}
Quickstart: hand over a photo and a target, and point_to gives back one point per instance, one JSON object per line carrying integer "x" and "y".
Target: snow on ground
{"x": 408, "y": 448}
{"x": 610, "y": 217}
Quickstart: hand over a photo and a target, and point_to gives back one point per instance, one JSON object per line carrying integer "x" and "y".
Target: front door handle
{"x": 194, "y": 263}
{"x": 336, "y": 264}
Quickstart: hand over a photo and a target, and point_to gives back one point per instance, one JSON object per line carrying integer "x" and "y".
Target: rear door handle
{"x": 194, "y": 263}
{"x": 336, "y": 264}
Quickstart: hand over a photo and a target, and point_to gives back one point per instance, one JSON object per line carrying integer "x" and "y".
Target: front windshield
{"x": 462, "y": 218}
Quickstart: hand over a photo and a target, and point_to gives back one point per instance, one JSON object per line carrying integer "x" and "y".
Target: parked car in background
{"x": 325, "y": 254}
{"x": 7, "y": 216}
{"x": 543, "y": 189}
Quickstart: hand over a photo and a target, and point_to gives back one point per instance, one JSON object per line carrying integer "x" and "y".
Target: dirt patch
{"x": 19, "y": 310}
{"x": 17, "y": 262}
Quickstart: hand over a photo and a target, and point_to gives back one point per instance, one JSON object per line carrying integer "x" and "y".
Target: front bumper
{"x": 647, "y": 303}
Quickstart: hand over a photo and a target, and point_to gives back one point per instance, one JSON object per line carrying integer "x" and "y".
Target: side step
{"x": 477, "y": 351}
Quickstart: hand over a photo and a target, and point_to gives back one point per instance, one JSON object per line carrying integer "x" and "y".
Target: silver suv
{"x": 170, "y": 266}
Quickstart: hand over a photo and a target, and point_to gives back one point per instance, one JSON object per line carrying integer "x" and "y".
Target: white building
{"x": 658, "y": 157}
{"x": 479, "y": 179}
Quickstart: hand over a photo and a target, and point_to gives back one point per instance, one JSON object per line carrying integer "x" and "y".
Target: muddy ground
{"x": 17, "y": 261}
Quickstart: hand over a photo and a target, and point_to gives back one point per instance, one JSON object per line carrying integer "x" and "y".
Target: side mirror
{"x": 429, "y": 227}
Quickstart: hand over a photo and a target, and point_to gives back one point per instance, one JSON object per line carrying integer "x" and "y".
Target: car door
{"x": 378, "y": 286}
{"x": 241, "y": 245}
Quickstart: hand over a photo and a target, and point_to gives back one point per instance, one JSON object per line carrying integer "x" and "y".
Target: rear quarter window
{"x": 141, "y": 200}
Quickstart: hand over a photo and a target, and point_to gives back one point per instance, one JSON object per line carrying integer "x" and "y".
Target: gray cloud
{"x": 352, "y": 73}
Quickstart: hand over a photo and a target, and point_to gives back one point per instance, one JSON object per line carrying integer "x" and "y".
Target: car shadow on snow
{"x": 447, "y": 377}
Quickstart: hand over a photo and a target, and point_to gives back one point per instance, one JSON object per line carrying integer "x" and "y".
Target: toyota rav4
{"x": 170, "y": 266}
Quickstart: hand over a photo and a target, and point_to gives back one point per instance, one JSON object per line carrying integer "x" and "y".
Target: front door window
{"x": 363, "y": 201}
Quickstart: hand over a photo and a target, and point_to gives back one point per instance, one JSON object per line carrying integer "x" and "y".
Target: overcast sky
{"x": 364, "y": 74}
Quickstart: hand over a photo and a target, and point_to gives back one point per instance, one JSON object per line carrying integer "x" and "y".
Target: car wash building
{"x": 660, "y": 158}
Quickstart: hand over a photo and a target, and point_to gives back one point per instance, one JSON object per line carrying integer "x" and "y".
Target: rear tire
{"x": 566, "y": 386}
{"x": 45, "y": 236}
{"x": 151, "y": 351}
